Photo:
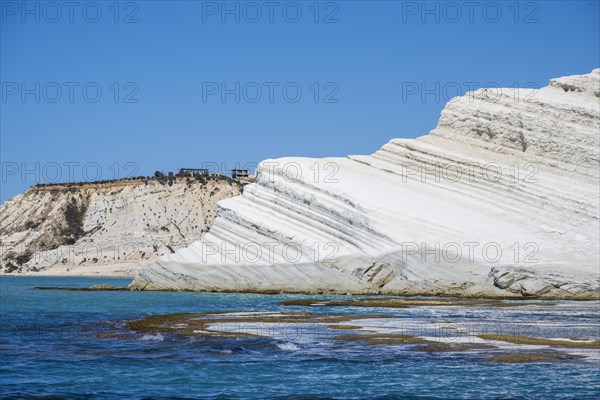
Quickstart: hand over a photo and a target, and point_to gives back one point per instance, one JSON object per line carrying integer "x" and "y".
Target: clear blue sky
{"x": 175, "y": 50}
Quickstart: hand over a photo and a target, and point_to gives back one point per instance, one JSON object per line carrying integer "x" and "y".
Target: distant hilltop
{"x": 241, "y": 176}
{"x": 108, "y": 227}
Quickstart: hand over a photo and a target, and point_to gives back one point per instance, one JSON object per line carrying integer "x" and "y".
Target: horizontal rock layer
{"x": 500, "y": 199}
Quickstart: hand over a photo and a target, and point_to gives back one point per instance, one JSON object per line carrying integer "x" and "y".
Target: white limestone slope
{"x": 500, "y": 199}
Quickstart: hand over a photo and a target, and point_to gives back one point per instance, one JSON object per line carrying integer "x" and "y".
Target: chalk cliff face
{"x": 108, "y": 228}
{"x": 500, "y": 199}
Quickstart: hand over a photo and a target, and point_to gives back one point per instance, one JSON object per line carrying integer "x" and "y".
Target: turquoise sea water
{"x": 49, "y": 347}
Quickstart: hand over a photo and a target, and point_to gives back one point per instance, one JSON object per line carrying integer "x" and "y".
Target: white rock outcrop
{"x": 105, "y": 228}
{"x": 500, "y": 199}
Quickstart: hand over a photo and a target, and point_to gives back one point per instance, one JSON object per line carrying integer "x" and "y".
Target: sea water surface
{"x": 51, "y": 346}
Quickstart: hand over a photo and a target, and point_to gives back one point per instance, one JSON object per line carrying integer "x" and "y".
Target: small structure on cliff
{"x": 193, "y": 172}
{"x": 239, "y": 173}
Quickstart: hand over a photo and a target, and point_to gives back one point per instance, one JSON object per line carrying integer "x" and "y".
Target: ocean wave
{"x": 153, "y": 338}
{"x": 287, "y": 346}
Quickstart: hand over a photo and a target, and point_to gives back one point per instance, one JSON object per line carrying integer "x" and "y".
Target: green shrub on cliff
{"x": 74, "y": 215}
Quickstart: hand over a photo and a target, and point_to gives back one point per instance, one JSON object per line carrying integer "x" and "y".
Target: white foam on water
{"x": 287, "y": 346}
{"x": 153, "y": 338}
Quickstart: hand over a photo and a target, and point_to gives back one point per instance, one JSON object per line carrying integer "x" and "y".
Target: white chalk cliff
{"x": 105, "y": 228}
{"x": 500, "y": 199}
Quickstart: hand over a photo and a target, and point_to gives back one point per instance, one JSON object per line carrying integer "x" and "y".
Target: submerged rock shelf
{"x": 301, "y": 329}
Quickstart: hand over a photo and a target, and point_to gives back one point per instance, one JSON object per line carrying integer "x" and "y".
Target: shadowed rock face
{"x": 500, "y": 199}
